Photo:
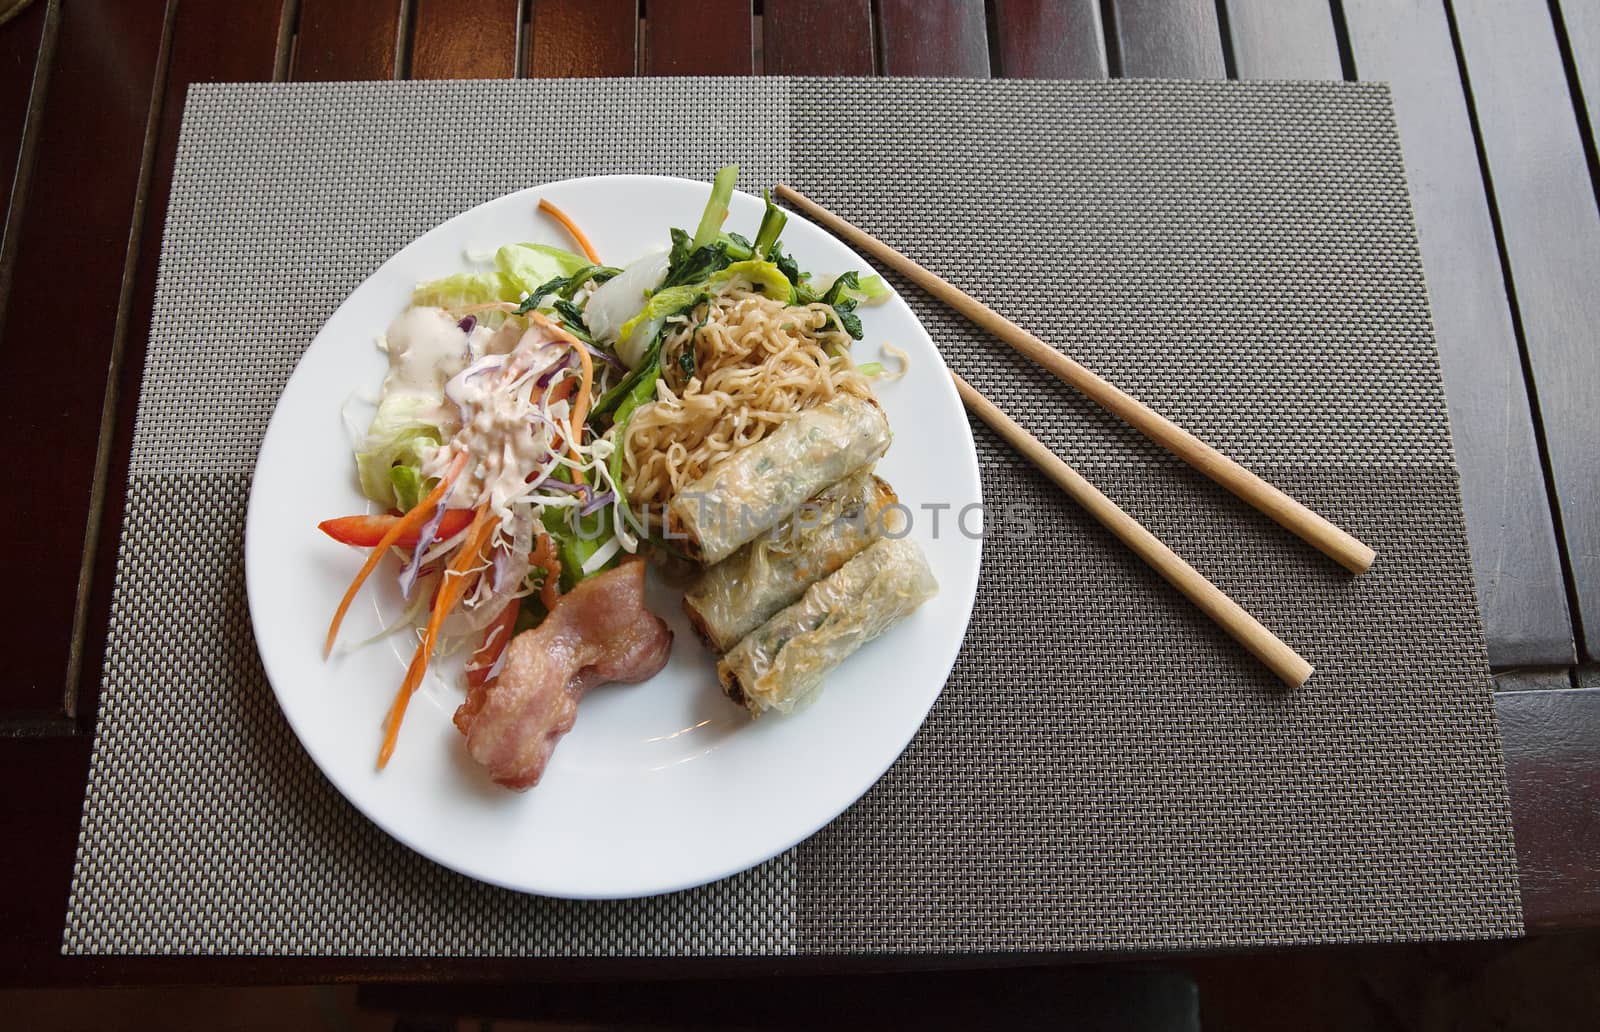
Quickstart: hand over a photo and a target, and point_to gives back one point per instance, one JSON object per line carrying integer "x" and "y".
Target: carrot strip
{"x": 563, "y": 389}
{"x": 410, "y": 521}
{"x": 572, "y": 228}
{"x": 545, "y": 557}
{"x": 580, "y": 411}
{"x": 449, "y": 594}
{"x": 580, "y": 408}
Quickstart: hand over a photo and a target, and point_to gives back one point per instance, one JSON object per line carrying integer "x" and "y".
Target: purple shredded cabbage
{"x": 561, "y": 486}
{"x": 611, "y": 360}
{"x": 468, "y": 323}
{"x": 560, "y": 365}
{"x": 408, "y": 576}
{"x": 597, "y": 503}
{"x": 502, "y": 566}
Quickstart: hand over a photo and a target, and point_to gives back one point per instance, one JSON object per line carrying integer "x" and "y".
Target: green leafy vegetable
{"x": 641, "y": 393}
{"x": 572, "y": 317}
{"x": 772, "y": 222}
{"x": 399, "y": 434}
{"x": 566, "y": 286}
{"x": 738, "y": 248}
{"x": 578, "y": 541}
{"x": 839, "y": 297}
{"x": 665, "y": 302}
{"x": 519, "y": 269}
{"x": 865, "y": 290}
{"x": 849, "y": 321}
{"x": 696, "y": 266}
{"x": 764, "y": 277}
{"x": 577, "y": 538}
{"x": 649, "y": 365}
{"x": 529, "y": 265}
{"x": 410, "y": 487}
{"x": 716, "y": 207}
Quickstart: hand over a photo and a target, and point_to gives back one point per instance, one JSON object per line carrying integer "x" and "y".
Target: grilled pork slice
{"x": 598, "y": 633}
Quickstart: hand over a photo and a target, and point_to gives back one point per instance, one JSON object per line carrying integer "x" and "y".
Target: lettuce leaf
{"x": 519, "y": 269}
{"x": 410, "y": 487}
{"x": 529, "y": 265}
{"x": 397, "y": 439}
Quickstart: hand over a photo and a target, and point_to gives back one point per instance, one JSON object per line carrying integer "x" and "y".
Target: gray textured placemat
{"x": 1104, "y": 769}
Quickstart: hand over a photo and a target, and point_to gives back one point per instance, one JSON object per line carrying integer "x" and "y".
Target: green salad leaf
{"x": 399, "y": 434}
{"x": 519, "y": 269}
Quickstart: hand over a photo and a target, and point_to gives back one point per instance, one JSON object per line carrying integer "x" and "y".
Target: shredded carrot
{"x": 580, "y": 410}
{"x": 451, "y": 589}
{"x": 410, "y": 521}
{"x": 580, "y": 407}
{"x": 562, "y": 390}
{"x": 571, "y": 227}
{"x": 544, "y": 556}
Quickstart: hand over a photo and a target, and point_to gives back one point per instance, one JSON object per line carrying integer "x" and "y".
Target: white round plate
{"x": 663, "y": 785}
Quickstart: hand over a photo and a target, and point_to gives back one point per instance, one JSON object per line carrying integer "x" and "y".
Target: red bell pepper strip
{"x": 367, "y": 531}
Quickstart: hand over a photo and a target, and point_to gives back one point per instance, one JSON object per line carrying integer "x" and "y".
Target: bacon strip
{"x": 599, "y": 632}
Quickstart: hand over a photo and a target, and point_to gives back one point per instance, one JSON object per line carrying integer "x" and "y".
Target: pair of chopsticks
{"x": 1347, "y": 551}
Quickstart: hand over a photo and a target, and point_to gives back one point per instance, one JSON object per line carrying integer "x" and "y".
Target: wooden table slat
{"x": 817, "y": 37}
{"x": 464, "y": 39}
{"x": 1553, "y": 777}
{"x": 1551, "y": 228}
{"x": 1581, "y": 20}
{"x": 58, "y": 332}
{"x": 1283, "y": 39}
{"x": 933, "y": 37}
{"x": 582, "y": 38}
{"x": 40, "y": 818}
{"x": 341, "y": 40}
{"x": 21, "y": 41}
{"x": 706, "y": 37}
{"x": 1168, "y": 39}
{"x": 1521, "y": 593}
{"x": 1049, "y": 39}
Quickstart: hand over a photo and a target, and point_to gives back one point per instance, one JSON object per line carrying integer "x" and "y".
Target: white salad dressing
{"x": 426, "y": 348}
{"x": 505, "y": 428}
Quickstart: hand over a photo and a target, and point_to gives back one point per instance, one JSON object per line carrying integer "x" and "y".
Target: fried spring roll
{"x": 742, "y": 592}
{"x": 781, "y": 663}
{"x": 759, "y": 486}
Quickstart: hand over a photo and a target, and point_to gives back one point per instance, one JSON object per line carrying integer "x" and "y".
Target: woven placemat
{"x": 1104, "y": 769}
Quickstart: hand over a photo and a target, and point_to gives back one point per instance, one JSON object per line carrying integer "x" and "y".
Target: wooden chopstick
{"x": 1288, "y": 664}
{"x": 1337, "y": 544}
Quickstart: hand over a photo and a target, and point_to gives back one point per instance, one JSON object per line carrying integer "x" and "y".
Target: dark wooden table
{"x": 1498, "y": 103}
